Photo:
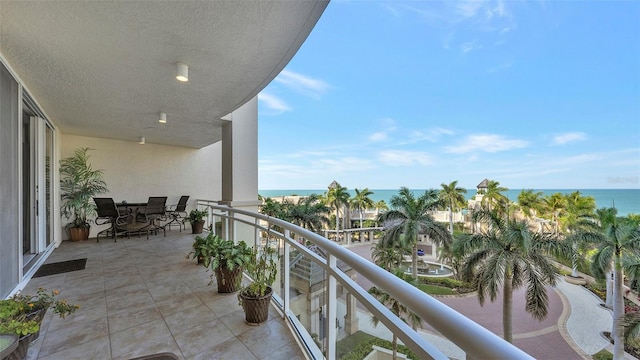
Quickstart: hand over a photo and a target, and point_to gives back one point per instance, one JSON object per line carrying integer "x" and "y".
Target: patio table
{"x": 8, "y": 343}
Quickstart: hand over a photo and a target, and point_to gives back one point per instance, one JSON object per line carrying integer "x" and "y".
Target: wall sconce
{"x": 183, "y": 72}
{"x": 141, "y": 140}
{"x": 163, "y": 118}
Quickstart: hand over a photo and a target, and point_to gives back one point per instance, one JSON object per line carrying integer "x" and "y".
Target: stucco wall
{"x": 134, "y": 172}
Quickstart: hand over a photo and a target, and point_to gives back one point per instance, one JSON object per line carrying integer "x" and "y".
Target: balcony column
{"x": 351, "y": 321}
{"x": 240, "y": 164}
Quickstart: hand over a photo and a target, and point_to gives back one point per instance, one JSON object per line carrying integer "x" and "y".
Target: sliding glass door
{"x": 37, "y": 185}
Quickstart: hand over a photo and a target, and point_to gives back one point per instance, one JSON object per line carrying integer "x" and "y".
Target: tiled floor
{"x": 139, "y": 297}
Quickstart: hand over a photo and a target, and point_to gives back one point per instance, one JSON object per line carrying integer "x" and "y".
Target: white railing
{"x": 476, "y": 341}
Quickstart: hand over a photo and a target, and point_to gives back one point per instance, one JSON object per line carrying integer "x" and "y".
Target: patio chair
{"x": 108, "y": 214}
{"x": 154, "y": 213}
{"x": 177, "y": 213}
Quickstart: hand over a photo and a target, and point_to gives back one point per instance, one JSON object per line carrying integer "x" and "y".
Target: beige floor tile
{"x": 228, "y": 350}
{"x": 129, "y": 340}
{"x": 94, "y": 349}
{"x": 202, "y": 338}
{"x": 128, "y": 318}
{"x": 188, "y": 318}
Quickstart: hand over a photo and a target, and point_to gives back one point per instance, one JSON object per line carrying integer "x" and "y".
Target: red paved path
{"x": 548, "y": 344}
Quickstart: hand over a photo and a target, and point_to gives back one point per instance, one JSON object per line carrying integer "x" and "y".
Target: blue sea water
{"x": 627, "y": 201}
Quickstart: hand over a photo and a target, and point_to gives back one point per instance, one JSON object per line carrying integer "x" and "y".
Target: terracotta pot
{"x": 228, "y": 280}
{"x": 196, "y": 227}
{"x": 256, "y": 309}
{"x": 79, "y": 234}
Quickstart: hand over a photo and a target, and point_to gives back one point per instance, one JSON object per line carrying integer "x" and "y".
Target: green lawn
{"x": 436, "y": 290}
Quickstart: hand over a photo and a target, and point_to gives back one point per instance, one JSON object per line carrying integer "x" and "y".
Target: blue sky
{"x": 541, "y": 95}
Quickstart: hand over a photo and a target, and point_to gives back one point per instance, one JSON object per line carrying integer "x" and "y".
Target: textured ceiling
{"x": 107, "y": 69}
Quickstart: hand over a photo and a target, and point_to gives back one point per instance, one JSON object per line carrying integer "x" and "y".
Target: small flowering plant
{"x": 17, "y": 313}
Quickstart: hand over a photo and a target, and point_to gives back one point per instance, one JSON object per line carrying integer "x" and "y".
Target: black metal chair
{"x": 108, "y": 214}
{"x": 155, "y": 212}
{"x": 177, "y": 213}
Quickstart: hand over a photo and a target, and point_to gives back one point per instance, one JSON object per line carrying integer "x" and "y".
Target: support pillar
{"x": 351, "y": 321}
{"x": 240, "y": 164}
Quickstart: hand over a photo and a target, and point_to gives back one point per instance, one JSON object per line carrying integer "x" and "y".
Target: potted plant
{"x": 199, "y": 248}
{"x": 255, "y": 298}
{"x": 22, "y": 315}
{"x": 226, "y": 259}
{"x": 196, "y": 218}
{"x": 79, "y": 183}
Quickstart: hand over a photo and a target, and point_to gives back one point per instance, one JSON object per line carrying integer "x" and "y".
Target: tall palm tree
{"x": 494, "y": 198}
{"x": 308, "y": 213}
{"x": 380, "y": 206}
{"x": 338, "y": 197}
{"x": 506, "y": 256}
{"x": 362, "y": 201}
{"x": 613, "y": 240}
{"x": 577, "y": 207}
{"x": 387, "y": 257}
{"x": 555, "y": 205}
{"x": 530, "y": 202}
{"x": 453, "y": 197}
{"x": 410, "y": 216}
{"x": 397, "y": 308}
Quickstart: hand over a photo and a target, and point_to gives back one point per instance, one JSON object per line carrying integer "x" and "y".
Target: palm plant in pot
{"x": 226, "y": 259}
{"x": 79, "y": 183}
{"x": 255, "y": 298}
{"x": 196, "y": 219}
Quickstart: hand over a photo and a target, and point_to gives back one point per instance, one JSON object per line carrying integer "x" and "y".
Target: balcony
{"x": 140, "y": 296}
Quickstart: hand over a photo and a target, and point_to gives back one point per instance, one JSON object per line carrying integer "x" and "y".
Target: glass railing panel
{"x": 358, "y": 332}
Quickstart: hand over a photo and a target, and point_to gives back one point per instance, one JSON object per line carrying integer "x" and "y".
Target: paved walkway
{"x": 572, "y": 330}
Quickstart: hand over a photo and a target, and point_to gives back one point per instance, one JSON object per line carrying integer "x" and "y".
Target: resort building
{"x": 165, "y": 95}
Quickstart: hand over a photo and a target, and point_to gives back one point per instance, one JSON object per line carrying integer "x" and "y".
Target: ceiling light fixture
{"x": 183, "y": 72}
{"x": 163, "y": 118}
{"x": 141, "y": 140}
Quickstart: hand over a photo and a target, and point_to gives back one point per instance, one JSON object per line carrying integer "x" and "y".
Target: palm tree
{"x": 506, "y": 256}
{"x": 362, "y": 201}
{"x": 308, "y": 213}
{"x": 530, "y": 202}
{"x": 397, "y": 308}
{"x": 555, "y": 204}
{"x": 577, "y": 207}
{"x": 494, "y": 198}
{"x": 453, "y": 197}
{"x": 380, "y": 206}
{"x": 614, "y": 241}
{"x": 410, "y": 216}
{"x": 387, "y": 257}
{"x": 337, "y": 197}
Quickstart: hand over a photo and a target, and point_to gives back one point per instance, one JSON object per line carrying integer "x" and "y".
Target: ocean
{"x": 627, "y": 201}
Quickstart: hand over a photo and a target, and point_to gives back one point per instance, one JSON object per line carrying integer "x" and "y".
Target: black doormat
{"x": 61, "y": 267}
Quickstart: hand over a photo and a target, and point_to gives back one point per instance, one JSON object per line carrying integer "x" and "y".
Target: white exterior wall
{"x": 133, "y": 172}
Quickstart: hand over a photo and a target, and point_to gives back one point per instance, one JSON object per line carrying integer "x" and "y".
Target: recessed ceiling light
{"x": 163, "y": 118}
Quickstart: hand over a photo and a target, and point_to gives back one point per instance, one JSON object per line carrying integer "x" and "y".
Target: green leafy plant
{"x": 218, "y": 252}
{"x": 262, "y": 269}
{"x": 196, "y": 215}
{"x": 16, "y": 313}
{"x": 79, "y": 183}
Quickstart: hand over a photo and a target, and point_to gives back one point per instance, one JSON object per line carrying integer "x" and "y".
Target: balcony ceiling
{"x": 107, "y": 69}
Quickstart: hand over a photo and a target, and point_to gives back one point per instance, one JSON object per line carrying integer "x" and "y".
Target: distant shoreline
{"x": 627, "y": 201}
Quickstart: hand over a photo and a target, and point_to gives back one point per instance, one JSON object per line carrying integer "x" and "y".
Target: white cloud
{"x": 403, "y": 158}
{"x": 470, "y": 46}
{"x": 378, "y": 136}
{"x": 490, "y": 143}
{"x": 273, "y": 103}
{"x": 568, "y": 137}
{"x": 468, "y": 9}
{"x": 302, "y": 83}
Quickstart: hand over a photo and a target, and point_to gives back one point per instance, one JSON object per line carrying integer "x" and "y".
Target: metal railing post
{"x": 332, "y": 311}
{"x": 287, "y": 272}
